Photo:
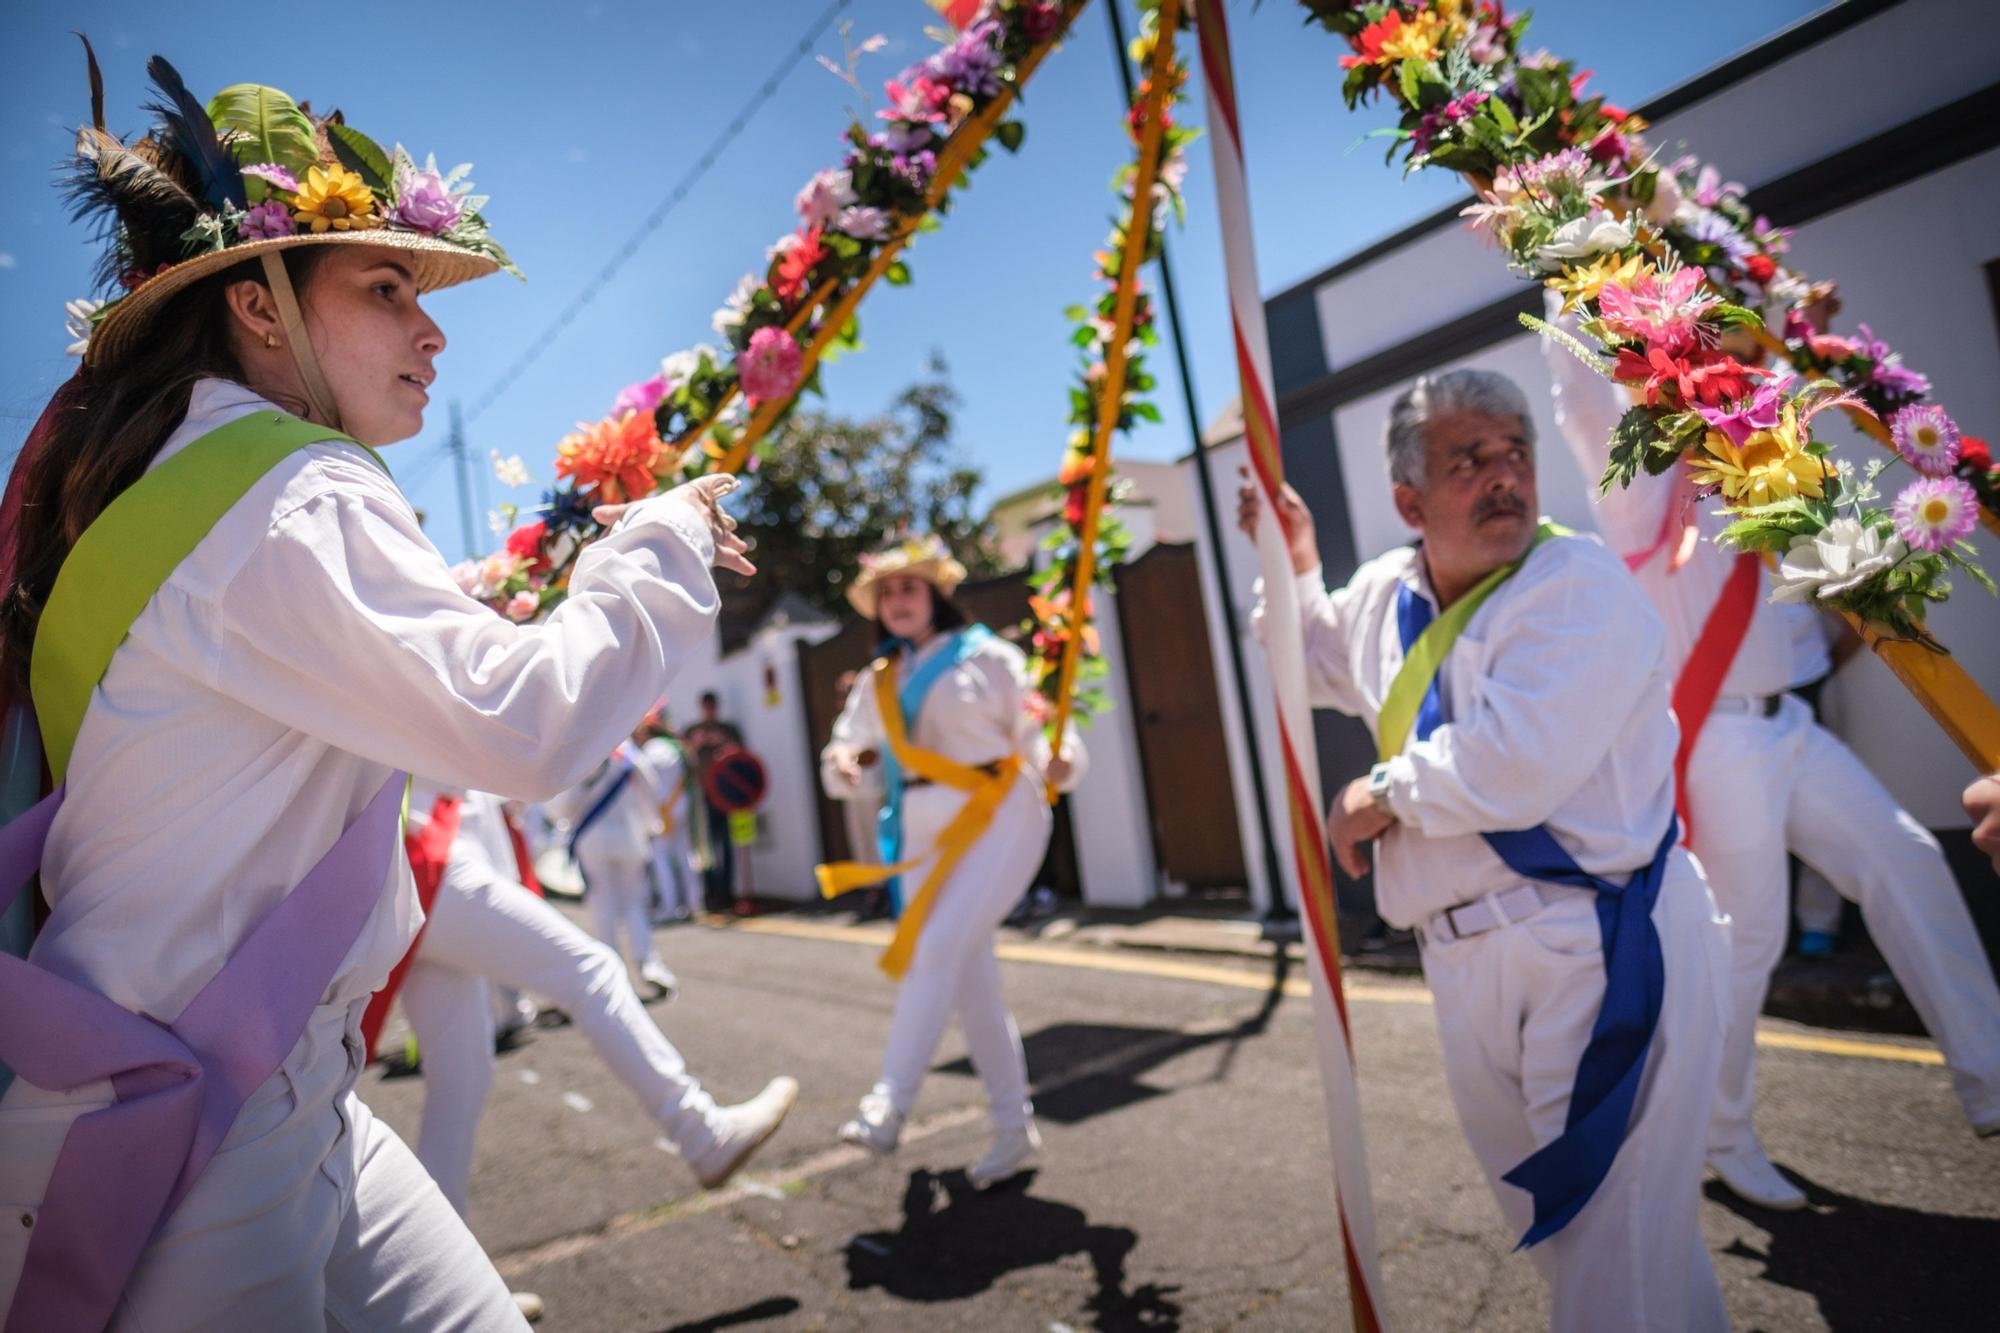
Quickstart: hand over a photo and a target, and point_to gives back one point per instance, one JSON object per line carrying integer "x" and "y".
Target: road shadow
{"x": 956, "y": 1242}
{"x": 775, "y": 1308}
{"x": 1081, "y": 1070}
{"x": 1873, "y": 1265}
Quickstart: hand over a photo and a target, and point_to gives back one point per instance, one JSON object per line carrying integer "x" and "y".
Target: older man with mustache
{"x": 1523, "y": 816}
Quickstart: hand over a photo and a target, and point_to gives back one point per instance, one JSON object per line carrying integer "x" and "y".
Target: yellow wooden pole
{"x": 1111, "y": 392}
{"x": 953, "y": 159}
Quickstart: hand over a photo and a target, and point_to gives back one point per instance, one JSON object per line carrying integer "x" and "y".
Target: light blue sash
{"x": 889, "y": 824}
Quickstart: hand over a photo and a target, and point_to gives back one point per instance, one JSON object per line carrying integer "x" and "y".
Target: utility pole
{"x": 1277, "y": 911}
{"x": 456, "y": 444}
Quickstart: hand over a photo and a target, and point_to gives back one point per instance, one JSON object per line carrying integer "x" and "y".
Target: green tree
{"x": 829, "y": 488}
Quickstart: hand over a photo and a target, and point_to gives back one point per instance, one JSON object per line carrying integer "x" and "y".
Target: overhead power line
{"x": 689, "y": 179}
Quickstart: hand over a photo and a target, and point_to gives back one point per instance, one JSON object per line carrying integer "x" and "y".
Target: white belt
{"x": 1756, "y": 705}
{"x": 1492, "y": 912}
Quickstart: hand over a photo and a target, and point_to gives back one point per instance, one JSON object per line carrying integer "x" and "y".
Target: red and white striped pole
{"x": 1285, "y": 653}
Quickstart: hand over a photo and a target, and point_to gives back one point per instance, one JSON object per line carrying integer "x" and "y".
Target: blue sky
{"x": 578, "y": 119}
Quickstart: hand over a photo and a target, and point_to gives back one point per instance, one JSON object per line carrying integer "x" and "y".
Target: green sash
{"x": 129, "y": 551}
{"x": 1426, "y": 656}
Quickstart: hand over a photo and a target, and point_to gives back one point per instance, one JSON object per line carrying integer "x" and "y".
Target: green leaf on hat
{"x": 264, "y": 126}
{"x": 362, "y": 156}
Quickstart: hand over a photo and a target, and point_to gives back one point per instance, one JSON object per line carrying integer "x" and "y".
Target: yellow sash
{"x": 984, "y": 792}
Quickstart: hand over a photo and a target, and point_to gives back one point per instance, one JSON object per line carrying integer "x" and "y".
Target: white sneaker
{"x": 661, "y": 978}
{"x": 530, "y": 1306}
{"x": 741, "y": 1129}
{"x": 877, "y": 1126}
{"x": 1012, "y": 1152}
{"x": 1750, "y": 1176}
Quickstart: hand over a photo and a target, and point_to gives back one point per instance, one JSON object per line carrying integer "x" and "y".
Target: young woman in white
{"x": 311, "y": 645}
{"x": 976, "y": 712}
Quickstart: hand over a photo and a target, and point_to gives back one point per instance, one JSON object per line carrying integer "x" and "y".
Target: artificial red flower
{"x": 1708, "y": 378}
{"x": 795, "y": 266}
{"x": 525, "y": 543}
{"x": 1974, "y": 455}
{"x": 1074, "y": 507}
{"x": 1761, "y": 268}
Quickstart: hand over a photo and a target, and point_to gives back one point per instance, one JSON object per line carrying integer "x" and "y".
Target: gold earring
{"x": 270, "y": 340}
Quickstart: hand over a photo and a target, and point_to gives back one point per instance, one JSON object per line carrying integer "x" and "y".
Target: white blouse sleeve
{"x": 1006, "y": 672}
{"x": 859, "y": 727}
{"x": 347, "y": 625}
{"x": 1325, "y": 623}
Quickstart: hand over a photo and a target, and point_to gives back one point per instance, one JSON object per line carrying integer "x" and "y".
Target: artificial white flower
{"x": 1837, "y": 559}
{"x": 737, "y": 308}
{"x": 511, "y": 471}
{"x": 679, "y": 367}
{"x": 1666, "y": 199}
{"x": 78, "y": 325}
{"x": 1592, "y": 234}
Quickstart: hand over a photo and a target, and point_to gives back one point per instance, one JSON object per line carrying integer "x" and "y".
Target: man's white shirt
{"x": 1557, "y": 699}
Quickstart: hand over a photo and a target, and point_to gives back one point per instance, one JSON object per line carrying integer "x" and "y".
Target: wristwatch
{"x": 1378, "y": 787}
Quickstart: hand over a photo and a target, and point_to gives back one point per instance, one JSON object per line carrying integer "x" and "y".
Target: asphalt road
{"x": 1185, "y": 1182}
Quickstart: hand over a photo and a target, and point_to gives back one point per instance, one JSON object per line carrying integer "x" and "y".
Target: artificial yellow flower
{"x": 1577, "y": 285}
{"x": 334, "y": 198}
{"x": 1771, "y": 465}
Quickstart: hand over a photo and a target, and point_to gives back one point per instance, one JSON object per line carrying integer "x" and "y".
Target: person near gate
{"x": 483, "y": 927}
{"x": 676, "y": 882}
{"x": 233, "y": 638}
{"x": 1522, "y": 822}
{"x": 610, "y": 820}
{"x": 1760, "y": 777}
{"x": 947, "y": 714}
{"x": 709, "y": 736}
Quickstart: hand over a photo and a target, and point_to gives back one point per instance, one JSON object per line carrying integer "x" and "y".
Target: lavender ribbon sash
{"x": 123, "y": 1169}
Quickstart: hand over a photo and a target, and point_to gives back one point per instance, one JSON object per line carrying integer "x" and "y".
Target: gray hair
{"x": 1485, "y": 392}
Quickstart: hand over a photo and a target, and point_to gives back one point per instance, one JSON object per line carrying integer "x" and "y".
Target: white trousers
{"x": 1759, "y": 785}
{"x": 486, "y": 927}
{"x": 674, "y": 873}
{"x": 619, "y": 898}
{"x": 954, "y": 971}
{"x": 312, "y": 1215}
{"x": 1514, "y": 1011}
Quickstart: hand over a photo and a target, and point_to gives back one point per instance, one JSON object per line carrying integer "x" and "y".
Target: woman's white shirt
{"x": 313, "y": 643}
{"x": 974, "y": 713}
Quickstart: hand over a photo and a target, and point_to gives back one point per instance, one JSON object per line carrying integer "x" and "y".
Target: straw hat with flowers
{"x": 924, "y": 557}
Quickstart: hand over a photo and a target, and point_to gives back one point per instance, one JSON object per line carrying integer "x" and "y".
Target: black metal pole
{"x": 1277, "y": 909}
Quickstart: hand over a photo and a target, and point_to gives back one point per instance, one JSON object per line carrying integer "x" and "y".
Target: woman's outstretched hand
{"x": 704, "y": 496}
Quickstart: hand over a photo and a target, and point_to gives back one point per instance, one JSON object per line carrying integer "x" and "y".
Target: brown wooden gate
{"x": 1171, "y": 673}
{"x": 999, "y": 603}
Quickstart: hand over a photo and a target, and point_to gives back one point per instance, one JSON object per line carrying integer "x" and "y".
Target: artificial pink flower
{"x": 921, "y": 101}
{"x": 523, "y": 605}
{"x": 641, "y": 397}
{"x": 1934, "y": 512}
{"x": 769, "y": 368}
{"x": 1741, "y": 418}
{"x": 1661, "y": 312}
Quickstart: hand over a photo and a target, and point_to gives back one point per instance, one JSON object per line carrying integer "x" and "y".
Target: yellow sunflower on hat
{"x": 334, "y": 198}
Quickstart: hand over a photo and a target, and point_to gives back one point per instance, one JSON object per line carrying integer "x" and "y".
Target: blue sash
{"x": 1564, "y": 1173}
{"x": 889, "y": 824}
{"x": 599, "y": 806}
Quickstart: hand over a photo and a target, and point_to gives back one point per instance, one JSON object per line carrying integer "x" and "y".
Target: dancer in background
{"x": 610, "y": 819}
{"x": 947, "y": 713}
{"x": 676, "y": 882}
{"x": 484, "y": 928}
{"x": 1760, "y": 777}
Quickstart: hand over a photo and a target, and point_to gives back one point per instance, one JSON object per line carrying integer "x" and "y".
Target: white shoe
{"x": 877, "y": 1126}
{"x": 1750, "y": 1176}
{"x": 1012, "y": 1152}
{"x": 741, "y": 1129}
{"x": 530, "y": 1306}
{"x": 661, "y": 978}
